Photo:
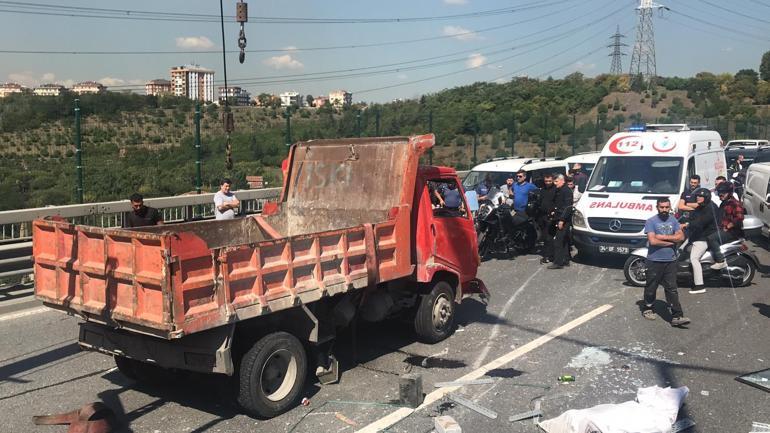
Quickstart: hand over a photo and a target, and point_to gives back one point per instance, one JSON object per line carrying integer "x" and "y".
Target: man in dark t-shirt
{"x": 142, "y": 215}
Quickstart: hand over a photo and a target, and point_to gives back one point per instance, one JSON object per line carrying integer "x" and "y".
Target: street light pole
{"x": 287, "y": 115}
{"x": 78, "y": 154}
{"x": 430, "y": 130}
{"x": 198, "y": 181}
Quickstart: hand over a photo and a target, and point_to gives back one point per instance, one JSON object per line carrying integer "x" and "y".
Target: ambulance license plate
{"x": 613, "y": 249}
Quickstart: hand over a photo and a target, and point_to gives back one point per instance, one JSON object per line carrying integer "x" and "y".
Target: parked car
{"x": 756, "y": 195}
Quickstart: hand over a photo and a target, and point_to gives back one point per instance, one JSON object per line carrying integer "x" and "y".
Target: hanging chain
{"x": 242, "y": 16}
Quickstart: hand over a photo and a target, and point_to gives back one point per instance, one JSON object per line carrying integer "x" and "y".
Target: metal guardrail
{"x": 16, "y": 225}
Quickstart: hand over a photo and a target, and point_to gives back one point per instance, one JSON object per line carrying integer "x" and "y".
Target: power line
{"x": 733, "y": 11}
{"x": 401, "y": 66}
{"x": 491, "y": 63}
{"x": 708, "y": 23}
{"x": 274, "y": 50}
{"x": 616, "y": 68}
{"x": 547, "y": 73}
{"x": 124, "y": 14}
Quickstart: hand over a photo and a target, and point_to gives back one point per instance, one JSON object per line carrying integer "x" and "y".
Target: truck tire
{"x": 126, "y": 367}
{"x": 272, "y": 375}
{"x": 435, "y": 316}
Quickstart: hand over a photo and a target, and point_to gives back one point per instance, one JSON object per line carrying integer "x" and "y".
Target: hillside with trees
{"x": 144, "y": 143}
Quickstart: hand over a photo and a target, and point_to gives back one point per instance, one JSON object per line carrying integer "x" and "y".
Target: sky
{"x": 378, "y": 50}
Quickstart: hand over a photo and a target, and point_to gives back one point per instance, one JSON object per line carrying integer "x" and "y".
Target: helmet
{"x": 702, "y": 192}
{"x": 724, "y": 188}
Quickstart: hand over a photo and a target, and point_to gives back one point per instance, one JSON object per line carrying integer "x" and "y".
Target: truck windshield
{"x": 637, "y": 174}
{"x": 475, "y": 177}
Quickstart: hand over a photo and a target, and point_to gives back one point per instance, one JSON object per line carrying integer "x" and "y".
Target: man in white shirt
{"x": 225, "y": 202}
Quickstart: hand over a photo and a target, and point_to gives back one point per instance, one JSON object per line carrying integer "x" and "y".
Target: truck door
{"x": 452, "y": 230}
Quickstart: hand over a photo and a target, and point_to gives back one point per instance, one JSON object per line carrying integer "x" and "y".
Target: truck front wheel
{"x": 272, "y": 375}
{"x": 435, "y": 315}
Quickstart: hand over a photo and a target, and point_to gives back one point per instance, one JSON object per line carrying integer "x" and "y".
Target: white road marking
{"x": 24, "y": 313}
{"x": 496, "y": 329}
{"x": 438, "y": 394}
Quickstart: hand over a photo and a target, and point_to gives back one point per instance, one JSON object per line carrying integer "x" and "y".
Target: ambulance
{"x": 635, "y": 169}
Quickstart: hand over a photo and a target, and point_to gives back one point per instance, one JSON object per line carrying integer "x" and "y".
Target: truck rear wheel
{"x": 435, "y": 315}
{"x": 272, "y": 375}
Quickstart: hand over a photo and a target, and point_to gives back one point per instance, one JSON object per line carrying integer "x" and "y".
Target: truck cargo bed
{"x": 343, "y": 223}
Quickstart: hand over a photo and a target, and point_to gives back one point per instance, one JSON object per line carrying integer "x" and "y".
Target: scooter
{"x": 741, "y": 267}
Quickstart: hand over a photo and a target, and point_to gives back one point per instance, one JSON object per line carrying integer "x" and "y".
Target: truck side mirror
{"x": 767, "y": 199}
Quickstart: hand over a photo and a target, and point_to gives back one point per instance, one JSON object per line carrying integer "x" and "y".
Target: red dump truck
{"x": 355, "y": 234}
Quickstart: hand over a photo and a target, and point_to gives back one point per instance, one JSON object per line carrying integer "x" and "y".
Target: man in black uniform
{"x": 556, "y": 246}
{"x": 142, "y": 215}
{"x": 547, "y": 195}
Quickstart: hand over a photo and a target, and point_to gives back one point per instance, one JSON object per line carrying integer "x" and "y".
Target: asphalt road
{"x": 606, "y": 344}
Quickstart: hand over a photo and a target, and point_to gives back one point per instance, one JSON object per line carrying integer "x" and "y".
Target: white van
{"x": 635, "y": 169}
{"x": 500, "y": 169}
{"x": 756, "y": 194}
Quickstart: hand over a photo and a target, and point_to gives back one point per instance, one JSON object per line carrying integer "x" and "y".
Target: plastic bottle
{"x": 566, "y": 378}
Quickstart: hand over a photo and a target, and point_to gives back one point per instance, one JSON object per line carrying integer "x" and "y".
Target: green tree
{"x": 764, "y": 67}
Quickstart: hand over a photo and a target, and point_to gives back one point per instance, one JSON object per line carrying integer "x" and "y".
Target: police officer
{"x": 556, "y": 244}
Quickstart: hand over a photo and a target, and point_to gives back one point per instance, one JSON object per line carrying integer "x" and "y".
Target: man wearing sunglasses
{"x": 521, "y": 190}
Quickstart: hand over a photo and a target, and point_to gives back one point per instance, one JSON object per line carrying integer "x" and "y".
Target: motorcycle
{"x": 500, "y": 231}
{"x": 741, "y": 267}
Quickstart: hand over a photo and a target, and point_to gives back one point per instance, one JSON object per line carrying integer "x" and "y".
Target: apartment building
{"x": 193, "y": 82}
{"x": 340, "y": 98}
{"x": 289, "y": 99}
{"x": 49, "y": 90}
{"x": 235, "y": 96}
{"x": 158, "y": 87}
{"x": 10, "y": 88}
{"x": 88, "y": 87}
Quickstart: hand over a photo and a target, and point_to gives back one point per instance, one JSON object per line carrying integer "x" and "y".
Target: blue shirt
{"x": 482, "y": 189}
{"x": 521, "y": 195}
{"x": 660, "y": 227}
{"x": 451, "y": 197}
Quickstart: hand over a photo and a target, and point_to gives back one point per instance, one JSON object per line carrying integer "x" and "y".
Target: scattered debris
{"x": 704, "y": 393}
{"x": 525, "y": 415}
{"x": 590, "y": 357}
{"x": 345, "y": 419}
{"x": 759, "y": 379}
{"x": 680, "y": 353}
{"x": 760, "y": 427}
{"x": 91, "y": 418}
{"x": 681, "y": 425}
{"x": 305, "y": 401}
{"x": 566, "y": 378}
{"x": 489, "y": 413}
{"x": 446, "y": 424}
{"x": 410, "y": 390}
{"x": 464, "y": 382}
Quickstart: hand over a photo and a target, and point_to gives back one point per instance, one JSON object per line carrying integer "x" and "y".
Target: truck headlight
{"x": 578, "y": 220}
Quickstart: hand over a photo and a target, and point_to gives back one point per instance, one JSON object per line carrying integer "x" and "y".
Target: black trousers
{"x": 556, "y": 243}
{"x": 662, "y": 273}
{"x": 715, "y": 240}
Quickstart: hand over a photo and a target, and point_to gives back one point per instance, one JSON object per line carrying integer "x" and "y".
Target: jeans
{"x": 662, "y": 273}
{"x": 715, "y": 240}
{"x": 698, "y": 249}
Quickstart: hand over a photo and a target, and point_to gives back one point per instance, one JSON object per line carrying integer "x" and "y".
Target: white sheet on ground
{"x": 654, "y": 411}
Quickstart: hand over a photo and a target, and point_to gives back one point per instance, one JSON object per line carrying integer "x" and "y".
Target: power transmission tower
{"x": 643, "y": 57}
{"x": 616, "y": 68}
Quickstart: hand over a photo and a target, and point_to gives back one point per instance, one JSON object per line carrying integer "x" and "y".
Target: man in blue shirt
{"x": 521, "y": 190}
{"x": 483, "y": 188}
{"x": 663, "y": 232}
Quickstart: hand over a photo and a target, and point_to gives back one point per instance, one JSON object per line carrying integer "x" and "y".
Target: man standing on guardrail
{"x": 225, "y": 202}
{"x": 142, "y": 215}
